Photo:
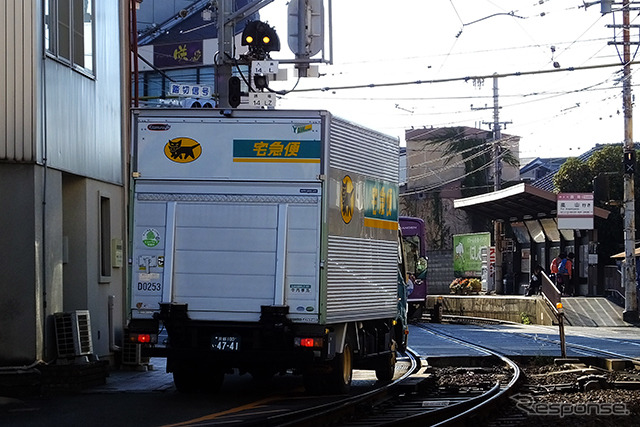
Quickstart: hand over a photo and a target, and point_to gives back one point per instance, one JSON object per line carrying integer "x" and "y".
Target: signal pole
{"x": 630, "y": 313}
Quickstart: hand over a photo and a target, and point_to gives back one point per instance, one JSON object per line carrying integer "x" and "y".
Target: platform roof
{"x": 515, "y": 203}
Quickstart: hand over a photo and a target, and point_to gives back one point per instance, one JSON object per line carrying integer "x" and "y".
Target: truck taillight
{"x": 308, "y": 342}
{"x": 143, "y": 338}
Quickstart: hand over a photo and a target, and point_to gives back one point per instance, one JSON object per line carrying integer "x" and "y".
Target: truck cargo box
{"x": 236, "y": 210}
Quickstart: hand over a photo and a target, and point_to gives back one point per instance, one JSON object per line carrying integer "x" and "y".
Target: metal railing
{"x": 553, "y": 297}
{"x": 613, "y": 284}
{"x": 550, "y": 292}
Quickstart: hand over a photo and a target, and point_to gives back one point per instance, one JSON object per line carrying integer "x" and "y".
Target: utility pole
{"x": 630, "y": 313}
{"x": 496, "y": 126}
{"x": 498, "y": 225}
{"x": 223, "y": 61}
{"x": 629, "y": 272}
{"x": 497, "y": 163}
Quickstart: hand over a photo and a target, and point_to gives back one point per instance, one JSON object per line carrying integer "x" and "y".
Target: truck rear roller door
{"x": 233, "y": 256}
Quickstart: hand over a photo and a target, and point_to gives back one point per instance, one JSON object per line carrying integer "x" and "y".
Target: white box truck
{"x": 265, "y": 241}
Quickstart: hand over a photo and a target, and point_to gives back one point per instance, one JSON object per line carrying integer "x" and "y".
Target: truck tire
{"x": 339, "y": 379}
{"x": 386, "y": 367}
{"x": 194, "y": 380}
{"x": 313, "y": 383}
{"x": 262, "y": 374}
{"x": 185, "y": 380}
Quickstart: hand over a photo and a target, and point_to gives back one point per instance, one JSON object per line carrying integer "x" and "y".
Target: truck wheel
{"x": 262, "y": 374}
{"x": 213, "y": 380}
{"x": 186, "y": 380}
{"x": 386, "y": 367}
{"x": 192, "y": 380}
{"x": 342, "y": 372}
{"x": 313, "y": 383}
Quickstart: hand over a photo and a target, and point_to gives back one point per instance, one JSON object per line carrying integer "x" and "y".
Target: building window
{"x": 68, "y": 33}
{"x": 105, "y": 238}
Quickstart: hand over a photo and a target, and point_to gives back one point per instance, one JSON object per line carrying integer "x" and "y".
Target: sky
{"x": 556, "y": 114}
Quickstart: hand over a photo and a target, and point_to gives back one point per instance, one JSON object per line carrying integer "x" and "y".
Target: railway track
{"x": 426, "y": 395}
{"x": 454, "y": 391}
{"x": 581, "y": 350}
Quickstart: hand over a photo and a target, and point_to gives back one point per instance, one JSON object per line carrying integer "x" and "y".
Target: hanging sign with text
{"x": 575, "y": 211}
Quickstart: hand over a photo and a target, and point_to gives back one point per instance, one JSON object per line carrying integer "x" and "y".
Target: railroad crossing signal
{"x": 629, "y": 162}
{"x": 261, "y": 39}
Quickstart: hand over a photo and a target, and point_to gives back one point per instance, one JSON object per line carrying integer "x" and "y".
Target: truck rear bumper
{"x": 274, "y": 342}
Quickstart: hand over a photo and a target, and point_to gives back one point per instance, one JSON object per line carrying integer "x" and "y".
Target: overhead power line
{"x": 465, "y": 79}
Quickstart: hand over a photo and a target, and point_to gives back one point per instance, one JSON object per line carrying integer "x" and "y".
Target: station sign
{"x": 575, "y": 211}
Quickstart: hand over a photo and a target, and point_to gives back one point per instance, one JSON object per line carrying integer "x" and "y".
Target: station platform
{"x": 592, "y": 311}
{"x": 579, "y": 311}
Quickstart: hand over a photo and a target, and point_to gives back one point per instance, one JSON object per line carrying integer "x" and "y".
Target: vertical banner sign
{"x": 381, "y": 205}
{"x": 467, "y": 253}
{"x": 575, "y": 211}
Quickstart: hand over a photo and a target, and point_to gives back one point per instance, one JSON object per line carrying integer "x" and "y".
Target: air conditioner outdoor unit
{"x": 132, "y": 353}
{"x": 73, "y": 334}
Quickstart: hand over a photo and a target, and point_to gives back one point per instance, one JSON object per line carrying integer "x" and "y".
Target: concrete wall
{"x": 50, "y": 260}
{"x": 30, "y": 262}
{"x": 440, "y": 271}
{"x": 511, "y": 309}
{"x": 85, "y": 287}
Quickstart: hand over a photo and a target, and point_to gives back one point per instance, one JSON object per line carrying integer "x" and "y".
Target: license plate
{"x": 220, "y": 343}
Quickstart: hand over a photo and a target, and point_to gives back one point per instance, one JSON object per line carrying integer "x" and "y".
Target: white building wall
{"x": 60, "y": 131}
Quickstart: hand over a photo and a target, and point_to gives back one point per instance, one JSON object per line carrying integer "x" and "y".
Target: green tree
{"x": 574, "y": 176}
{"x": 607, "y": 162}
{"x": 477, "y": 155}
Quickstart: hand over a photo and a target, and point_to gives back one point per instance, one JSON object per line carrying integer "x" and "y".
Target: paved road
{"x": 526, "y": 340}
{"x": 149, "y": 398}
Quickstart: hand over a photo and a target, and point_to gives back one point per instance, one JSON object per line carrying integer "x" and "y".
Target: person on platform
{"x": 565, "y": 274}
{"x": 536, "y": 281}
{"x": 553, "y": 269}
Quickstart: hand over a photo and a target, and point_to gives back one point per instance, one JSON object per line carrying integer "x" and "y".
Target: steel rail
{"x": 586, "y": 348}
{"x": 479, "y": 405}
{"x": 535, "y": 336}
{"x": 409, "y": 409}
{"x": 327, "y": 413}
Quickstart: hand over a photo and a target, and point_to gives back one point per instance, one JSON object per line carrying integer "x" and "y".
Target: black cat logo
{"x": 347, "y": 197}
{"x": 182, "y": 150}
